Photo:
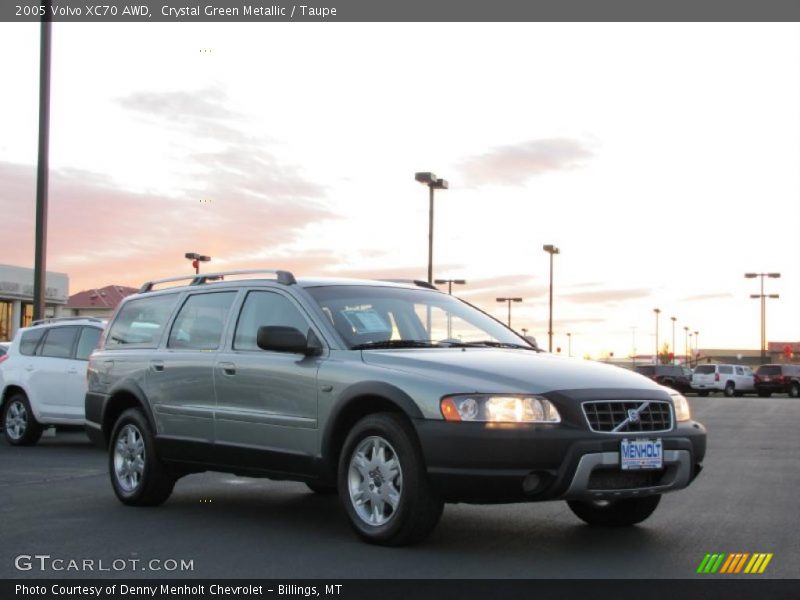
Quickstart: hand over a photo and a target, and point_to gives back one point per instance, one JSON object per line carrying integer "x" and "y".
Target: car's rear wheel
{"x": 20, "y": 426}
{"x": 383, "y": 483}
{"x": 730, "y": 389}
{"x": 138, "y": 477}
{"x": 794, "y": 390}
{"x": 615, "y": 513}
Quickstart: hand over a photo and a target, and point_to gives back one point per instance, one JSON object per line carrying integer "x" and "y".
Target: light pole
{"x": 569, "y": 344}
{"x": 763, "y": 298}
{"x": 686, "y": 344}
{"x": 196, "y": 260}
{"x": 433, "y": 183}
{"x": 633, "y": 347}
{"x": 551, "y": 250}
{"x": 674, "y": 352}
{"x": 691, "y": 348}
{"x": 450, "y": 283}
{"x": 657, "y": 311}
{"x": 696, "y": 347}
{"x": 509, "y": 300}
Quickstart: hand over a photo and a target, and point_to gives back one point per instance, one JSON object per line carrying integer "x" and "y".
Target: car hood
{"x": 507, "y": 370}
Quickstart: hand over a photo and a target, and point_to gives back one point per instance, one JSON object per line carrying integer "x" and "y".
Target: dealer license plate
{"x": 641, "y": 454}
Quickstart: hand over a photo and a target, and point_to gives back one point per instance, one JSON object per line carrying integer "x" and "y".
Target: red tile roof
{"x": 107, "y": 297}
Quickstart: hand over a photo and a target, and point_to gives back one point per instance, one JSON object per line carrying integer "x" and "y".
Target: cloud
{"x": 514, "y": 164}
{"x": 712, "y": 296}
{"x": 100, "y": 234}
{"x": 606, "y": 296}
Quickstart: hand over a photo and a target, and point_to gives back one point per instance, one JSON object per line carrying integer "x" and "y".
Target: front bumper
{"x": 491, "y": 463}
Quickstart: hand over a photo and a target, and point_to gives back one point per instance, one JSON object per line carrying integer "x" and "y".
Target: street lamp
{"x": 196, "y": 260}
{"x": 569, "y": 344}
{"x": 658, "y": 312}
{"x": 509, "y": 300}
{"x": 686, "y": 344}
{"x": 763, "y": 298}
{"x": 673, "y": 319}
{"x": 551, "y": 250}
{"x": 696, "y": 347}
{"x": 433, "y": 183}
{"x": 450, "y": 283}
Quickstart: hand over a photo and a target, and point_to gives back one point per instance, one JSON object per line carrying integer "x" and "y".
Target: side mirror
{"x": 287, "y": 339}
{"x": 531, "y": 340}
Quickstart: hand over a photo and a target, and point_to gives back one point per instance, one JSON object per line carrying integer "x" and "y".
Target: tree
{"x": 664, "y": 355}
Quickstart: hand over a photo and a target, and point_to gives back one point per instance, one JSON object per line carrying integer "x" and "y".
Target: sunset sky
{"x": 664, "y": 161}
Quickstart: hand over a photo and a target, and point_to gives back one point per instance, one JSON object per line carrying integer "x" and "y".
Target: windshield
{"x": 376, "y": 316}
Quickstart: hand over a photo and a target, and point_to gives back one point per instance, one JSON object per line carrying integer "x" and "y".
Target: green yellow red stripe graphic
{"x": 734, "y": 563}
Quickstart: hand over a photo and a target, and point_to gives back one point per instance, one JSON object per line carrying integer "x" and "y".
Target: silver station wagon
{"x": 398, "y": 396}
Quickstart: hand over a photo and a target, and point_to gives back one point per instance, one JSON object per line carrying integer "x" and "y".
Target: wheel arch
{"x": 120, "y": 399}
{"x": 353, "y": 404}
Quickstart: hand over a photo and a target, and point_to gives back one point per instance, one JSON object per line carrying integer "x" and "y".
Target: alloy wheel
{"x": 16, "y": 420}
{"x": 375, "y": 481}
{"x": 129, "y": 457}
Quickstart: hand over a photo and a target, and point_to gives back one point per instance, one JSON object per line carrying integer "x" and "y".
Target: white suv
{"x": 732, "y": 380}
{"x": 43, "y": 376}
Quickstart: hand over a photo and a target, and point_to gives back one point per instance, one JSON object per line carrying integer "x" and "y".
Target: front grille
{"x": 615, "y": 479}
{"x": 608, "y": 416}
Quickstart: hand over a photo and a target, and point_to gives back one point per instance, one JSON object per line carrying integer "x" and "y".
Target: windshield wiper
{"x": 491, "y": 344}
{"x": 395, "y": 344}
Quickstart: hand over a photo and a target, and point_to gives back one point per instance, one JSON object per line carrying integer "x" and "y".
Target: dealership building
{"x": 16, "y": 298}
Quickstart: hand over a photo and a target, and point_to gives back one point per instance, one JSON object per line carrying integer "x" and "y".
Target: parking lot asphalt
{"x": 56, "y": 499}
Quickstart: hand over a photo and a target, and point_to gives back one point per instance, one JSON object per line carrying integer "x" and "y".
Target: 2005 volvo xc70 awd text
{"x": 396, "y": 395}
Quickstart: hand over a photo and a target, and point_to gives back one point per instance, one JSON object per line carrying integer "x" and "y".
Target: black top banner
{"x": 255, "y": 11}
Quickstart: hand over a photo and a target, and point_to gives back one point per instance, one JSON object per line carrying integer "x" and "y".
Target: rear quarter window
{"x": 705, "y": 370}
{"x": 769, "y": 370}
{"x": 141, "y": 322}
{"x": 29, "y": 341}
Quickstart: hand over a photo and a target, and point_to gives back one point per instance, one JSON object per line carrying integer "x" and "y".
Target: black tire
{"x": 764, "y": 394}
{"x": 19, "y": 423}
{"x": 155, "y": 482}
{"x": 321, "y": 488}
{"x": 794, "y": 390}
{"x": 704, "y": 393}
{"x": 730, "y": 389}
{"x": 418, "y": 508}
{"x": 615, "y": 513}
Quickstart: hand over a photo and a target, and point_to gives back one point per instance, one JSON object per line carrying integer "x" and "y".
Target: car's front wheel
{"x": 730, "y": 389}
{"x": 794, "y": 390}
{"x": 383, "y": 482}
{"x": 615, "y": 513}
{"x": 137, "y": 475}
{"x": 20, "y": 426}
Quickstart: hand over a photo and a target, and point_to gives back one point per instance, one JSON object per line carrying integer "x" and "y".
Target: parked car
{"x": 778, "y": 379}
{"x": 43, "y": 377}
{"x": 731, "y": 380}
{"x": 400, "y": 397}
{"x": 672, "y": 376}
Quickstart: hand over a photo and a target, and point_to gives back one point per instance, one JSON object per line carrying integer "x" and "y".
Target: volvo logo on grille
{"x": 633, "y": 415}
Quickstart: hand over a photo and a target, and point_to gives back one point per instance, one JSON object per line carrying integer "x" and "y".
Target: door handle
{"x": 29, "y": 368}
{"x": 157, "y": 365}
{"x": 228, "y": 368}
{"x": 72, "y": 371}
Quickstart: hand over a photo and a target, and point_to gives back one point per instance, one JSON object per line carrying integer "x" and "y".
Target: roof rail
{"x": 284, "y": 277}
{"x": 416, "y": 282}
{"x": 57, "y": 319}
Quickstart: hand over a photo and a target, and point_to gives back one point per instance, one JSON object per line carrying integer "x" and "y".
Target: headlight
{"x": 682, "y": 411}
{"x": 499, "y": 409}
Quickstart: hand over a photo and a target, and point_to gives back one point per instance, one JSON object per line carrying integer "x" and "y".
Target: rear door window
{"x": 201, "y": 321}
{"x": 140, "y": 322}
{"x": 739, "y": 371}
{"x": 87, "y": 342}
{"x": 29, "y": 341}
{"x": 58, "y": 342}
{"x": 727, "y": 370}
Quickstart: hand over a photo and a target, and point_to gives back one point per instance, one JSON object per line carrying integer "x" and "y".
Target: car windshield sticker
{"x": 366, "y": 320}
